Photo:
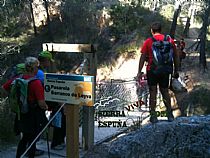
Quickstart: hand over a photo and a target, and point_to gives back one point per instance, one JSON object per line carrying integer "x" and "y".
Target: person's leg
{"x": 59, "y": 133}
{"x": 152, "y": 83}
{"x": 180, "y": 63}
{"x": 22, "y": 146}
{"x": 41, "y": 121}
{"x": 26, "y": 140}
{"x": 56, "y": 137}
{"x": 63, "y": 127}
{"x": 152, "y": 103}
{"x": 152, "y": 99}
{"x": 163, "y": 85}
{"x": 32, "y": 150}
{"x": 167, "y": 102}
{"x": 16, "y": 125}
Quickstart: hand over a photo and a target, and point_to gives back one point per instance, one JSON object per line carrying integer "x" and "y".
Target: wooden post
{"x": 88, "y": 112}
{"x": 72, "y": 131}
{"x": 88, "y": 127}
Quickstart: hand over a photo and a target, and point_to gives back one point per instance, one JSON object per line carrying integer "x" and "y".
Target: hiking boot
{"x": 153, "y": 119}
{"x": 39, "y": 152}
{"x": 58, "y": 147}
{"x": 153, "y": 116}
{"x": 170, "y": 117}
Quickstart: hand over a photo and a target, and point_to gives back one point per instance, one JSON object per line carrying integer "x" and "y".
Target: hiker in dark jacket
{"x": 32, "y": 122}
{"x": 153, "y": 79}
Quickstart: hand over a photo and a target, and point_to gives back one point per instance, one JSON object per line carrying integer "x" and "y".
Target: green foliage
{"x": 7, "y": 28}
{"x": 80, "y": 21}
{"x": 129, "y": 48}
{"x": 13, "y": 15}
{"x": 128, "y": 18}
{"x": 125, "y": 18}
{"x": 6, "y": 122}
{"x": 167, "y": 11}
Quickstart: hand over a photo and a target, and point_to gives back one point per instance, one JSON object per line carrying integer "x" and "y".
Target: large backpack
{"x": 14, "y": 71}
{"x": 162, "y": 51}
{"x": 18, "y": 97}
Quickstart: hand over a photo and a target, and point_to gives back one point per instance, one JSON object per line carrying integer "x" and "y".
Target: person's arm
{"x": 38, "y": 91}
{"x": 141, "y": 63}
{"x": 144, "y": 50}
{"x": 40, "y": 75}
{"x": 42, "y": 104}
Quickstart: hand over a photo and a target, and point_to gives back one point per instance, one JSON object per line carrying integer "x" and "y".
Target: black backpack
{"x": 162, "y": 51}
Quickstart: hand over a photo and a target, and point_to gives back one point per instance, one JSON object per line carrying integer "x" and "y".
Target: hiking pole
{"x": 42, "y": 130}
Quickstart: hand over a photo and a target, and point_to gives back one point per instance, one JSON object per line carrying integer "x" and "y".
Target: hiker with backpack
{"x": 29, "y": 104}
{"x": 159, "y": 51}
{"x": 14, "y": 72}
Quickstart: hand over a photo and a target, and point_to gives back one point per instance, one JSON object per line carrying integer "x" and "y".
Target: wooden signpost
{"x": 74, "y": 90}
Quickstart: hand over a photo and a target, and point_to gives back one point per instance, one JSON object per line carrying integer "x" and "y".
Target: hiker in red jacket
{"x": 153, "y": 78}
{"x": 32, "y": 122}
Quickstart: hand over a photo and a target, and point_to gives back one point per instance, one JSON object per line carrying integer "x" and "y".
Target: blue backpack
{"x": 162, "y": 56}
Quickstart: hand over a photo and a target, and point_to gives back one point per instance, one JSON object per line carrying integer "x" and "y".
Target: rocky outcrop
{"x": 185, "y": 137}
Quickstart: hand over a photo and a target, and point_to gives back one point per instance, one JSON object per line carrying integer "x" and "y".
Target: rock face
{"x": 185, "y": 137}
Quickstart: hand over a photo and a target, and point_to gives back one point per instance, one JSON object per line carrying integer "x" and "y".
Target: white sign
{"x": 72, "y": 89}
{"x": 60, "y": 47}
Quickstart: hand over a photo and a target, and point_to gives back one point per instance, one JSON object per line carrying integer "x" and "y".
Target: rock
{"x": 184, "y": 137}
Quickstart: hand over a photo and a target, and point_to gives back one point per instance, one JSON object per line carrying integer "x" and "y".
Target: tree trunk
{"x": 187, "y": 27}
{"x": 32, "y": 15}
{"x": 174, "y": 22}
{"x": 202, "y": 58}
{"x": 48, "y": 21}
